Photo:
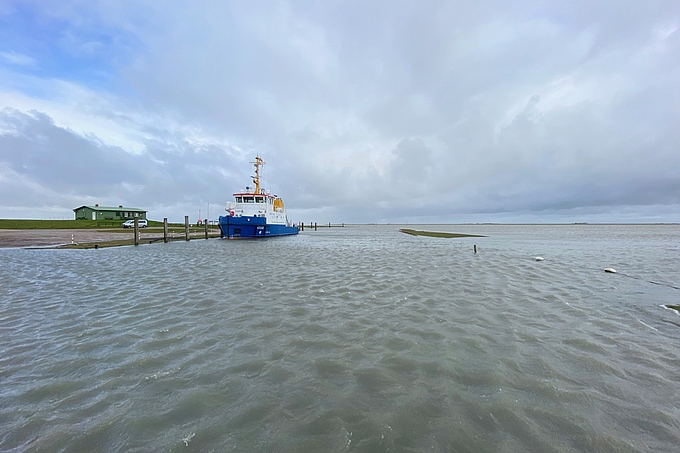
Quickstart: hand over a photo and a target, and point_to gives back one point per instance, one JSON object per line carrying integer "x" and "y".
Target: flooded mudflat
{"x": 350, "y": 339}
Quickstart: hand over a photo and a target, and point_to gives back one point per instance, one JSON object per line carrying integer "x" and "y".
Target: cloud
{"x": 372, "y": 111}
{"x": 47, "y": 165}
{"x": 17, "y": 59}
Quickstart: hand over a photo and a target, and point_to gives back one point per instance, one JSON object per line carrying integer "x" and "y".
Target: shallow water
{"x": 349, "y": 339}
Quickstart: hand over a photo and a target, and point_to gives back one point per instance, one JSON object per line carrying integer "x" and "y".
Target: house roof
{"x": 111, "y": 208}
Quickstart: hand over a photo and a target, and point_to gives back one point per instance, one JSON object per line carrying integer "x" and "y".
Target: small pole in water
{"x": 206, "y": 228}
{"x": 314, "y": 226}
{"x": 165, "y": 230}
{"x": 475, "y": 248}
{"x": 186, "y": 227}
{"x": 136, "y": 238}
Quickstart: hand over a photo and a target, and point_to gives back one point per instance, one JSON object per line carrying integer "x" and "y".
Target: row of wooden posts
{"x": 165, "y": 230}
{"x": 301, "y": 227}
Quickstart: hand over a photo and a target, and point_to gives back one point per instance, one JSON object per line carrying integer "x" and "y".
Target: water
{"x": 357, "y": 339}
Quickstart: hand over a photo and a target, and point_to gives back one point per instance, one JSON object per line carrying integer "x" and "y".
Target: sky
{"x": 530, "y": 111}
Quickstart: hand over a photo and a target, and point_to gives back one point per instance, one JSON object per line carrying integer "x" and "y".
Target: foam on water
{"x": 348, "y": 339}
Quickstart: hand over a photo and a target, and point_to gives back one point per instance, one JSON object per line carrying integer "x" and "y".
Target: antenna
{"x": 256, "y": 180}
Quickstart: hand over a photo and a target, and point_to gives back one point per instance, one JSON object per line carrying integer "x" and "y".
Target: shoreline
{"x": 438, "y": 234}
{"x": 88, "y": 238}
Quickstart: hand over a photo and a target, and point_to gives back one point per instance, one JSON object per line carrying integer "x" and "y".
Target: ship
{"x": 255, "y": 213}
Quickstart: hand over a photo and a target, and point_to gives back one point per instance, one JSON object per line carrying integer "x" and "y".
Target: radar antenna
{"x": 256, "y": 180}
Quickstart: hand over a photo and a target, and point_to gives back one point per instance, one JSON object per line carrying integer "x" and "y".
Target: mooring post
{"x": 165, "y": 230}
{"x": 314, "y": 226}
{"x": 302, "y": 224}
{"x": 136, "y": 240}
{"x": 186, "y": 227}
{"x": 475, "y": 248}
{"x": 329, "y": 224}
{"x": 206, "y": 228}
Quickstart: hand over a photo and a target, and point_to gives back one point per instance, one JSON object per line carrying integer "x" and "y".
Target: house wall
{"x": 102, "y": 214}
{"x": 83, "y": 214}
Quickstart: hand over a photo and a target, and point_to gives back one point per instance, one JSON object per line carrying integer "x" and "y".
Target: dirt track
{"x": 43, "y": 238}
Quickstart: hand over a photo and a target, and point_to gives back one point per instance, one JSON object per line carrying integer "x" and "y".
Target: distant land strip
{"x": 437, "y": 234}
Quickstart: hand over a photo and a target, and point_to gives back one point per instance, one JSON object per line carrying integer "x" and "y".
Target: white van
{"x": 131, "y": 223}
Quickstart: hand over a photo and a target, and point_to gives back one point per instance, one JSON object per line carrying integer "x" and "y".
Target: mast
{"x": 256, "y": 180}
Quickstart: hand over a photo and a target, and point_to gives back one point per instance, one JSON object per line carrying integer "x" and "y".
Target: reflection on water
{"x": 348, "y": 339}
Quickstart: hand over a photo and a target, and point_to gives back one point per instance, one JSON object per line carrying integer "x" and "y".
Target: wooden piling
{"x": 136, "y": 240}
{"x": 206, "y": 228}
{"x": 186, "y": 227}
{"x": 165, "y": 230}
{"x": 315, "y": 225}
{"x": 475, "y": 248}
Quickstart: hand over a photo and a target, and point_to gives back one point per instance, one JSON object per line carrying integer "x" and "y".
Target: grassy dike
{"x": 436, "y": 234}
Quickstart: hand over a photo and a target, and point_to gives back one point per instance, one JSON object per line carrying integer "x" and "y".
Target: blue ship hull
{"x": 246, "y": 227}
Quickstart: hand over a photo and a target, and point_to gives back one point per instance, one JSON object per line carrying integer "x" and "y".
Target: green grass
{"x": 436, "y": 234}
{"x": 30, "y": 224}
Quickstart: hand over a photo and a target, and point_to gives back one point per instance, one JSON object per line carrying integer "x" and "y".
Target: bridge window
{"x": 248, "y": 200}
{"x": 239, "y": 199}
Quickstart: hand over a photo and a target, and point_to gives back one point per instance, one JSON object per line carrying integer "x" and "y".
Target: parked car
{"x": 131, "y": 223}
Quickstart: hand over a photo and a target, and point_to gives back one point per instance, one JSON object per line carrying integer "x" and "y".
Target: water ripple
{"x": 350, "y": 339}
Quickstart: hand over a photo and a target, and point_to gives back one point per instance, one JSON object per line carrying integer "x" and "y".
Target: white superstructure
{"x": 258, "y": 202}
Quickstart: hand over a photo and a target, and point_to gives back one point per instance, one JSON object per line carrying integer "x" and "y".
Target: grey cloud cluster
{"x": 46, "y": 165}
{"x": 390, "y": 111}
